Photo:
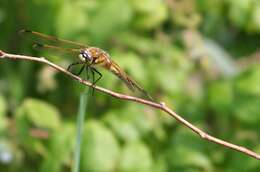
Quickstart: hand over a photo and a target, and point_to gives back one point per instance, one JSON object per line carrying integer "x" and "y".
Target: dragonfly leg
{"x": 99, "y": 77}
{"x": 93, "y": 71}
{"x": 93, "y": 79}
{"x": 73, "y": 64}
{"x": 80, "y": 71}
{"x": 87, "y": 70}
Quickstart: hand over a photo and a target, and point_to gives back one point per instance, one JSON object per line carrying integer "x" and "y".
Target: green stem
{"x": 80, "y": 123}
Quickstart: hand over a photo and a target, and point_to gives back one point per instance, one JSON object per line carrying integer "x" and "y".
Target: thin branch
{"x": 162, "y": 106}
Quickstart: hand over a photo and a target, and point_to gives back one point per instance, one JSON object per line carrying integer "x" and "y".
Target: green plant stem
{"x": 80, "y": 123}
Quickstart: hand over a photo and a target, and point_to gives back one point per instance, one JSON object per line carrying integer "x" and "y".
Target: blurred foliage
{"x": 200, "y": 57}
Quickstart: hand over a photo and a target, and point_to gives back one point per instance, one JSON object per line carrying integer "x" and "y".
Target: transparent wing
{"x": 39, "y": 46}
{"x": 131, "y": 84}
{"x": 43, "y": 38}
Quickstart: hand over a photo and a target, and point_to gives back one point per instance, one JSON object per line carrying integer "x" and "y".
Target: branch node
{"x": 81, "y": 80}
{"x": 163, "y": 105}
{"x": 203, "y": 135}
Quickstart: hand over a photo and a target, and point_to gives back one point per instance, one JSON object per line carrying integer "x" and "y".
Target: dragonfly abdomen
{"x": 114, "y": 68}
{"x": 131, "y": 84}
{"x": 102, "y": 59}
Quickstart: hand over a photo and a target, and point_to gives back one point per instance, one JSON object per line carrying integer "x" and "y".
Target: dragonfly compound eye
{"x": 84, "y": 56}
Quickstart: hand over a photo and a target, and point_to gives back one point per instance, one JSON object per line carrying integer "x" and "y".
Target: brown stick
{"x": 160, "y": 106}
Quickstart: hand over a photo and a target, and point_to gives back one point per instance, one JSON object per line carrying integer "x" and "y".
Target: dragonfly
{"x": 89, "y": 57}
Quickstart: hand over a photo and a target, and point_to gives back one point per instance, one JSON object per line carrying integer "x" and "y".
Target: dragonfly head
{"x": 85, "y": 56}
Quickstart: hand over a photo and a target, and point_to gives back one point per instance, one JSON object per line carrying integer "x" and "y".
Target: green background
{"x": 199, "y": 56}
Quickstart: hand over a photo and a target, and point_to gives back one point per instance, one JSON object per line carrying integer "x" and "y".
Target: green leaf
{"x": 239, "y": 12}
{"x": 61, "y": 145}
{"x": 61, "y": 142}
{"x": 248, "y": 82}
{"x": 108, "y": 19}
{"x": 247, "y": 110}
{"x": 221, "y": 96}
{"x": 133, "y": 120}
{"x": 240, "y": 162}
{"x": 3, "y": 120}
{"x": 2, "y": 106}
{"x": 50, "y": 164}
{"x": 186, "y": 157}
{"x": 255, "y": 21}
{"x": 151, "y": 13}
{"x": 135, "y": 157}
{"x": 72, "y": 18}
{"x": 187, "y": 151}
{"x": 120, "y": 126}
{"x": 100, "y": 150}
{"x": 41, "y": 114}
{"x": 35, "y": 113}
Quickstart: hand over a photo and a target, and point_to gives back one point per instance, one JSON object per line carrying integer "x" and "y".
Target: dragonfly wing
{"x": 39, "y": 46}
{"x": 43, "y": 38}
{"x": 115, "y": 69}
{"x": 141, "y": 89}
{"x": 131, "y": 84}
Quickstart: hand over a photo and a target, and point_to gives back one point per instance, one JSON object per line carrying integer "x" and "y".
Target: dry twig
{"x": 160, "y": 106}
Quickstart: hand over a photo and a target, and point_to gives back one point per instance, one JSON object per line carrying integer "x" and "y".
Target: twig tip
{"x": 24, "y": 31}
{"x": 1, "y": 53}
